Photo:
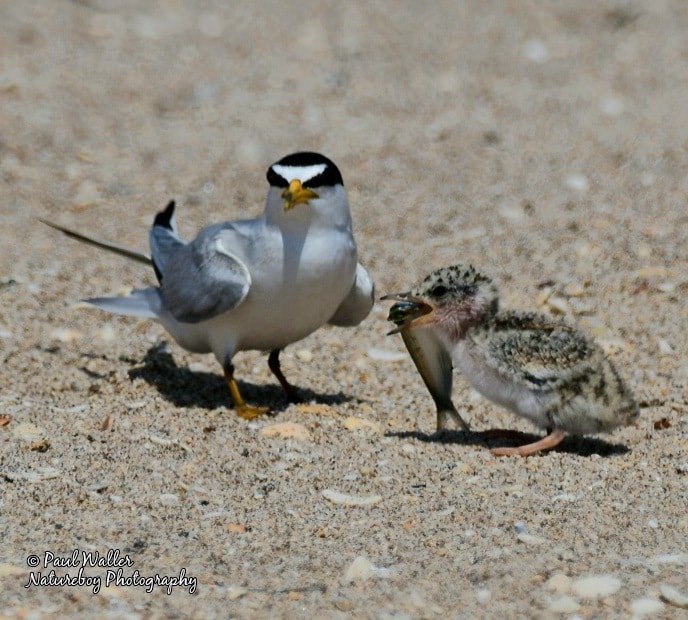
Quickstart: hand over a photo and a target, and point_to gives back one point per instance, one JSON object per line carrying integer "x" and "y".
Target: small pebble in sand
{"x": 26, "y": 432}
{"x": 361, "y": 569}
{"x": 65, "y": 335}
{"x": 42, "y": 445}
{"x": 559, "y": 583}
{"x": 596, "y": 586}
{"x": 612, "y": 106}
{"x": 304, "y": 355}
{"x": 664, "y": 347}
{"x": 483, "y": 596}
{"x": 667, "y": 287}
{"x": 574, "y": 289}
{"x": 535, "y": 50}
{"x": 106, "y": 333}
{"x": 236, "y": 592}
{"x": 564, "y": 605}
{"x": 647, "y": 179}
{"x": 558, "y": 305}
{"x": 577, "y": 182}
{"x": 353, "y": 423}
{"x": 564, "y": 497}
{"x": 87, "y": 195}
{"x": 316, "y": 410}
{"x": 286, "y": 430}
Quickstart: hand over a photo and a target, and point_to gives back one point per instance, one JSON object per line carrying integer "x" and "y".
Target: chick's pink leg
{"x": 553, "y": 439}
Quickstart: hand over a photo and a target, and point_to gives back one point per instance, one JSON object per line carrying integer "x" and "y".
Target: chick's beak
{"x": 409, "y": 312}
{"x": 296, "y": 194}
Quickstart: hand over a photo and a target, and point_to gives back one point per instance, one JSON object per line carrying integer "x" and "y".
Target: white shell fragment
{"x": 384, "y": 355}
{"x": 161, "y": 441}
{"x": 39, "y": 475}
{"x": 350, "y": 500}
{"x": 529, "y": 539}
{"x": 642, "y": 607}
{"x": 672, "y": 596}
{"x": 596, "y": 586}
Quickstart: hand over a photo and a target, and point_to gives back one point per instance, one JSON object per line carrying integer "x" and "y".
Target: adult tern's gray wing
{"x": 206, "y": 277}
{"x": 358, "y": 303}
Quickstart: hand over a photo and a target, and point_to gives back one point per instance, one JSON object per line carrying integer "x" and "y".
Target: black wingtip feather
{"x": 164, "y": 218}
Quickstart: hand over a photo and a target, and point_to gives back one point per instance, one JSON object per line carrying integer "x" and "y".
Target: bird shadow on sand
{"x": 503, "y": 438}
{"x": 186, "y": 388}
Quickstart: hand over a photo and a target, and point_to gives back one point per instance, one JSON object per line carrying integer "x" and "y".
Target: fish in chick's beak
{"x": 407, "y": 312}
{"x": 433, "y": 363}
{"x": 297, "y": 194}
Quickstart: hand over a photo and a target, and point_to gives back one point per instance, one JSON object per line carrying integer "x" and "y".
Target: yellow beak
{"x": 296, "y": 194}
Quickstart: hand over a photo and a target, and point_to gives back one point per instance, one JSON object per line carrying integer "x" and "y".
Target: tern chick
{"x": 257, "y": 284}
{"x": 538, "y": 368}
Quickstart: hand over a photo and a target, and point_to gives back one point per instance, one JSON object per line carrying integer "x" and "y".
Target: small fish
{"x": 432, "y": 361}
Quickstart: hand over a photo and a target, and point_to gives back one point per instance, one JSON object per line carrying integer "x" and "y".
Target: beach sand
{"x": 543, "y": 142}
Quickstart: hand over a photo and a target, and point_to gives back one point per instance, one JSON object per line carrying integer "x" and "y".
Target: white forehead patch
{"x": 302, "y": 173}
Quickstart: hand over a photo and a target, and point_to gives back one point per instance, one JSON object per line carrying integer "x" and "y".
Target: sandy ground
{"x": 546, "y": 142}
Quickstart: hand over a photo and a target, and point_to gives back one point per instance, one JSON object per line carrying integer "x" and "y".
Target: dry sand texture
{"x": 545, "y": 142}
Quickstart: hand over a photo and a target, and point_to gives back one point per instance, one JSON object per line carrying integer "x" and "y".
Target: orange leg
{"x": 247, "y": 412}
{"x": 274, "y": 366}
{"x": 553, "y": 439}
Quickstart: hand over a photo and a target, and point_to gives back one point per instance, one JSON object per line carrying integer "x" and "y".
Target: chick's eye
{"x": 439, "y": 291}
